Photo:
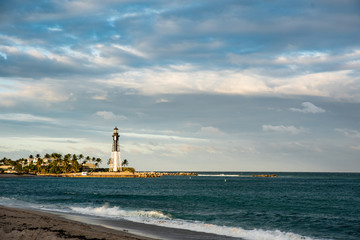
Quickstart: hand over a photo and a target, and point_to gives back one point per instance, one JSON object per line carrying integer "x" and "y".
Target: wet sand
{"x": 31, "y": 225}
{"x": 27, "y": 224}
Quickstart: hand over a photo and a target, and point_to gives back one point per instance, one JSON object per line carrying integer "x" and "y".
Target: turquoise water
{"x": 292, "y": 206}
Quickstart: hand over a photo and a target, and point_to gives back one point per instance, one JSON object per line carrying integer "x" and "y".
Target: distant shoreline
{"x": 16, "y": 175}
{"x": 148, "y": 174}
{"x": 102, "y": 175}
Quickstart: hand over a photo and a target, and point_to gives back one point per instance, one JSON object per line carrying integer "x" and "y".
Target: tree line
{"x": 52, "y": 163}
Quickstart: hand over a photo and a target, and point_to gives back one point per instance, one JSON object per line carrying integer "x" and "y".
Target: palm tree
{"x": 98, "y": 161}
{"x": 39, "y": 163}
{"x": 75, "y": 165}
{"x": 125, "y": 162}
{"x": 66, "y": 163}
{"x": 56, "y": 160}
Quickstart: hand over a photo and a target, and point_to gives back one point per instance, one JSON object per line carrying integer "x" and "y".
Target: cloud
{"x": 211, "y": 130}
{"x": 54, "y": 29}
{"x": 196, "y": 79}
{"x": 130, "y": 50}
{"x": 162, "y": 100}
{"x": 23, "y": 90}
{"x": 109, "y": 115}
{"x": 163, "y": 48}
{"x": 283, "y": 129}
{"x": 162, "y": 137}
{"x": 308, "y": 107}
{"x": 3, "y": 55}
{"x": 166, "y": 80}
{"x": 356, "y": 147}
{"x": 167, "y": 149}
{"x": 21, "y": 117}
{"x": 348, "y": 132}
{"x": 295, "y": 147}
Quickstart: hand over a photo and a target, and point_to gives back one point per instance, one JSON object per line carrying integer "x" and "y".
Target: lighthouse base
{"x": 115, "y": 162}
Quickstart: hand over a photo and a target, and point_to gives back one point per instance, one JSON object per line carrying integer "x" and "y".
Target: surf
{"x": 159, "y": 218}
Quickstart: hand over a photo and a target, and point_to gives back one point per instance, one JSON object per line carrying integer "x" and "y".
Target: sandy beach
{"x": 24, "y": 224}
{"x": 31, "y": 225}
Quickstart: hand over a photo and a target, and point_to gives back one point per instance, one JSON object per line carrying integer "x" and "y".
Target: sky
{"x": 243, "y": 85}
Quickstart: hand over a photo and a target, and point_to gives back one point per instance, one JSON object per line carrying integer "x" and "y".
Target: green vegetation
{"x": 52, "y": 163}
{"x": 128, "y": 169}
{"x": 125, "y": 162}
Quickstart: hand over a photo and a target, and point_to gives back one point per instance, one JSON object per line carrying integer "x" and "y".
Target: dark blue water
{"x": 292, "y": 206}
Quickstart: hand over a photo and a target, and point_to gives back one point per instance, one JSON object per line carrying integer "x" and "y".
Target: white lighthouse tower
{"x": 115, "y": 159}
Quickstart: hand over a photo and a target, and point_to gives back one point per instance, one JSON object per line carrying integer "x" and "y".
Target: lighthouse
{"x": 115, "y": 159}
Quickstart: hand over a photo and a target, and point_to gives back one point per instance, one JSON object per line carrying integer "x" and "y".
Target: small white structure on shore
{"x": 115, "y": 159}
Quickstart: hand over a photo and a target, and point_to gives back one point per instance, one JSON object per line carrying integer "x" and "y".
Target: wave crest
{"x": 158, "y": 218}
{"x": 116, "y": 212}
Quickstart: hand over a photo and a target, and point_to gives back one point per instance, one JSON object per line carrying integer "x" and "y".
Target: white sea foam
{"x": 13, "y": 202}
{"x": 116, "y": 212}
{"x": 161, "y": 219}
{"x": 158, "y": 218}
{"x": 6, "y": 201}
{"x": 219, "y": 175}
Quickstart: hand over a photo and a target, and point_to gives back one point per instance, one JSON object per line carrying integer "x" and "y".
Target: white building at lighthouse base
{"x": 115, "y": 162}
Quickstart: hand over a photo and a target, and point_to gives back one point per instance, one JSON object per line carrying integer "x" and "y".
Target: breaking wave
{"x": 160, "y": 219}
{"x": 116, "y": 212}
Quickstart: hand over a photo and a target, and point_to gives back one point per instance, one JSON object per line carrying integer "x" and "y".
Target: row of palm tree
{"x": 53, "y": 163}
{"x": 58, "y": 163}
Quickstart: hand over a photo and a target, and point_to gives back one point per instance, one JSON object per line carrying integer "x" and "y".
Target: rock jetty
{"x": 265, "y": 175}
{"x": 121, "y": 174}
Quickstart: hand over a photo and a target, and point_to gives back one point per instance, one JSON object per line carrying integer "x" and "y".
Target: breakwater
{"x": 121, "y": 174}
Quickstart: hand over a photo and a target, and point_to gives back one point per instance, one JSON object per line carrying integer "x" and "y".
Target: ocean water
{"x": 292, "y": 206}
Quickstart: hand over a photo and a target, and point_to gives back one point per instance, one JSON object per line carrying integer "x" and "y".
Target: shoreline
{"x": 102, "y": 174}
{"x": 26, "y": 224}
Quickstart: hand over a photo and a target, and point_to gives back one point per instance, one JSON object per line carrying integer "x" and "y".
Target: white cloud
{"x": 305, "y": 57}
{"x": 162, "y": 100}
{"x": 44, "y": 92}
{"x": 170, "y": 79}
{"x": 308, "y": 107}
{"x": 349, "y": 132}
{"x": 21, "y": 117}
{"x": 54, "y": 29}
{"x": 356, "y": 147}
{"x": 283, "y": 129}
{"x": 291, "y": 147}
{"x": 167, "y": 149}
{"x": 335, "y": 84}
{"x": 3, "y": 55}
{"x": 162, "y": 137}
{"x": 211, "y": 130}
{"x": 164, "y": 80}
{"x": 130, "y": 50}
{"x": 99, "y": 97}
{"x": 109, "y": 115}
